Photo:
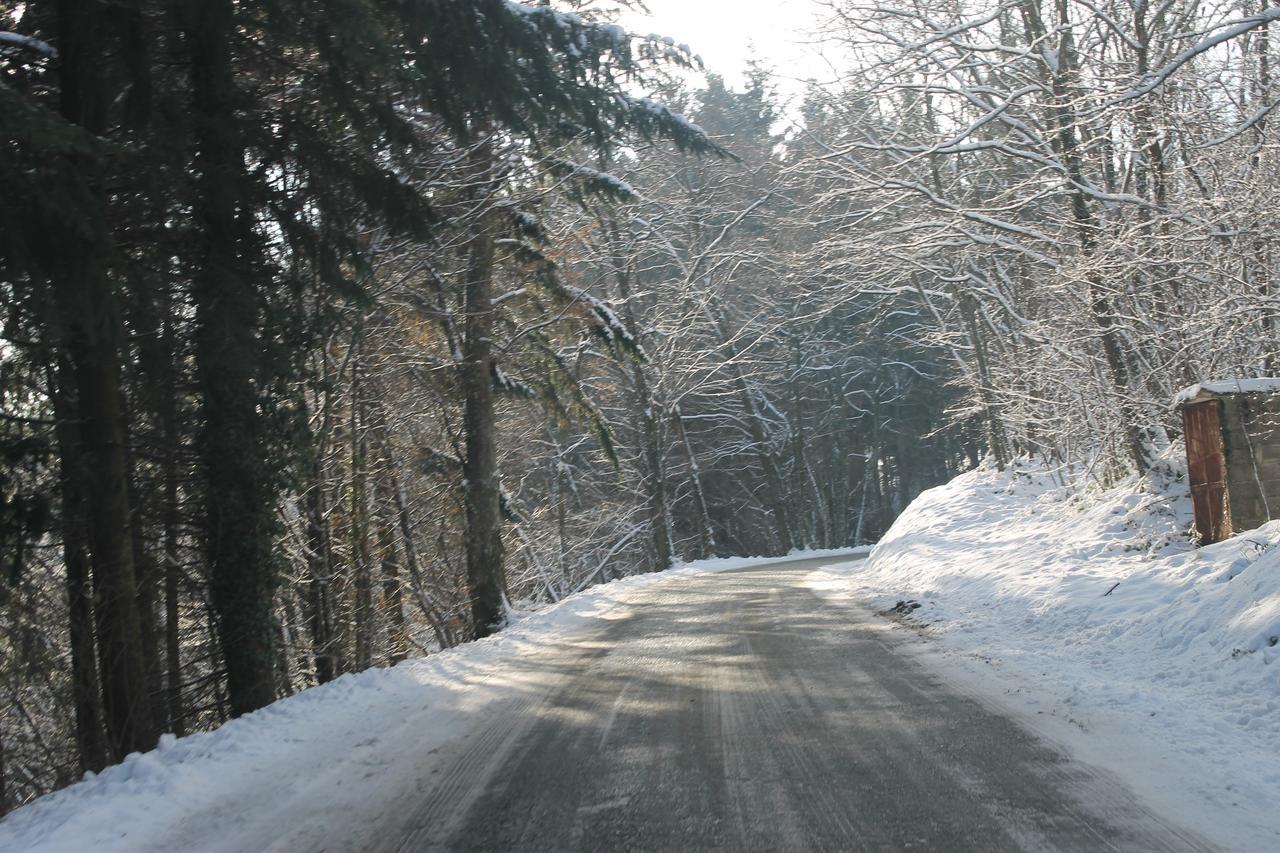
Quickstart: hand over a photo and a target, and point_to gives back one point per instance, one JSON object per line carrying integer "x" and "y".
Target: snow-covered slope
{"x": 304, "y": 769}
{"x": 1090, "y": 614}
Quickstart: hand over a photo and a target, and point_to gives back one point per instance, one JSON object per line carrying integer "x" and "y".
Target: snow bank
{"x": 295, "y": 774}
{"x": 1090, "y": 615}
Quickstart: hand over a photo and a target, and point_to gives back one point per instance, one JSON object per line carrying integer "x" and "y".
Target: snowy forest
{"x": 334, "y": 333}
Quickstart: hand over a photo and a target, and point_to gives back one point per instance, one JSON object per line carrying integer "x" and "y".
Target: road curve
{"x": 737, "y": 711}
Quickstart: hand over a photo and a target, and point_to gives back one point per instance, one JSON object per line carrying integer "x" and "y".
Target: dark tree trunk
{"x": 148, "y": 586}
{"x": 172, "y": 570}
{"x": 702, "y": 515}
{"x": 154, "y": 486}
{"x": 159, "y": 575}
{"x": 439, "y": 627}
{"x": 359, "y": 525}
{"x": 319, "y": 604}
{"x": 319, "y": 597}
{"x": 91, "y": 744}
{"x": 392, "y": 591}
{"x": 4, "y": 775}
{"x": 486, "y": 574}
{"x": 170, "y": 521}
{"x": 774, "y": 488}
{"x": 285, "y": 623}
{"x": 995, "y": 426}
{"x": 90, "y": 333}
{"x": 393, "y": 496}
{"x": 655, "y": 462}
{"x": 120, "y": 653}
{"x": 800, "y": 509}
{"x": 238, "y": 493}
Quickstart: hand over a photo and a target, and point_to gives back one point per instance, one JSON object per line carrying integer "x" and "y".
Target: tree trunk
{"x": 319, "y": 604}
{"x": 1262, "y": 245}
{"x": 148, "y": 577}
{"x": 392, "y": 591}
{"x": 659, "y": 509}
{"x": 90, "y": 334}
{"x": 486, "y": 574}
{"x": 319, "y": 597}
{"x": 155, "y": 333}
{"x": 120, "y": 655}
{"x": 155, "y": 488}
{"x": 238, "y": 495}
{"x": 4, "y": 775}
{"x": 995, "y": 427}
{"x": 359, "y": 525}
{"x": 172, "y": 572}
{"x": 439, "y": 627}
{"x": 774, "y": 488}
{"x": 702, "y": 516}
{"x": 172, "y": 563}
{"x": 800, "y": 509}
{"x": 91, "y": 744}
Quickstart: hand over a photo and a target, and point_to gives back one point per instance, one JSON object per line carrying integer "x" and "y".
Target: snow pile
{"x": 1090, "y": 614}
{"x": 313, "y": 769}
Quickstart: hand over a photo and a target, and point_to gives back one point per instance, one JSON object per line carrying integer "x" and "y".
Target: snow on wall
{"x": 1089, "y": 614}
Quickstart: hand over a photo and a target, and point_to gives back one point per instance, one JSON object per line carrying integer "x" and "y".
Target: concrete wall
{"x": 1259, "y": 415}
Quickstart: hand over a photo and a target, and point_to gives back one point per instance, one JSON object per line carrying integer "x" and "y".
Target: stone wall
{"x": 1252, "y": 421}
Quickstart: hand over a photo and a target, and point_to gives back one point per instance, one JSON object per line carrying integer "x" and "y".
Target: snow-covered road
{"x": 737, "y": 711}
{"x": 731, "y": 709}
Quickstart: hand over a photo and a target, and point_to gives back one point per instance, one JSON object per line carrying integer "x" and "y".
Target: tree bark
{"x": 171, "y": 521}
{"x": 148, "y": 578}
{"x": 359, "y": 524}
{"x": 91, "y": 744}
{"x": 90, "y": 333}
{"x": 238, "y": 495}
{"x": 392, "y": 590}
{"x": 486, "y": 574}
{"x": 702, "y": 516}
{"x": 319, "y": 604}
{"x": 774, "y": 487}
{"x": 325, "y": 650}
{"x": 995, "y": 427}
{"x": 172, "y": 572}
{"x": 655, "y": 463}
{"x": 120, "y": 656}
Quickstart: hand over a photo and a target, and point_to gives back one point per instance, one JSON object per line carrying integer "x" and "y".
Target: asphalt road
{"x": 737, "y": 711}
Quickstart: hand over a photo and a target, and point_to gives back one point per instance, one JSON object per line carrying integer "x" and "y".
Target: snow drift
{"x": 1091, "y": 613}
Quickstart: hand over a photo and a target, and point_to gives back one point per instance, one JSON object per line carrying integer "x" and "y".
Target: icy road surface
{"x": 738, "y": 711}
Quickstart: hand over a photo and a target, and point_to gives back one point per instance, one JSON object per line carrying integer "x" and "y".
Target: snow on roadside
{"x": 1090, "y": 615}
{"x": 301, "y": 768}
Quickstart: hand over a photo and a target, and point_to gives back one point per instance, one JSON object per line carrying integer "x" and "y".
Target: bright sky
{"x": 725, "y": 32}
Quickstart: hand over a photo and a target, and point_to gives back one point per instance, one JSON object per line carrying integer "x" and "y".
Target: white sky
{"x": 723, "y": 33}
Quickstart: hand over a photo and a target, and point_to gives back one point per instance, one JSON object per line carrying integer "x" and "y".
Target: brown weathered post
{"x": 1232, "y": 431}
